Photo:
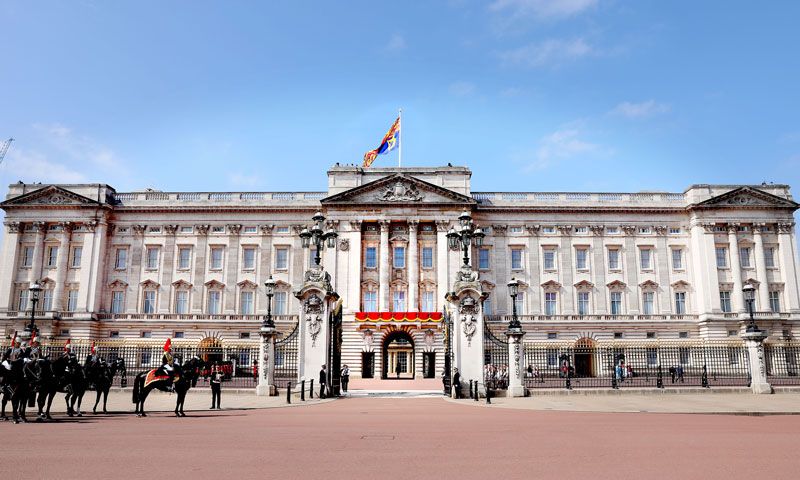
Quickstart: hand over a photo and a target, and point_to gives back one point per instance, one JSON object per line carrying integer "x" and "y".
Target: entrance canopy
{"x": 434, "y": 317}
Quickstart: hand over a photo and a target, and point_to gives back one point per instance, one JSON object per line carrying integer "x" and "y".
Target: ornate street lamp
{"x": 513, "y": 291}
{"x": 750, "y": 300}
{"x": 318, "y": 237}
{"x": 34, "y": 290}
{"x": 269, "y": 287}
{"x": 466, "y": 235}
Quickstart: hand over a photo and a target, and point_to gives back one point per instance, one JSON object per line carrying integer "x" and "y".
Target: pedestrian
{"x": 457, "y": 383}
{"x": 323, "y": 381}
{"x": 397, "y": 367}
{"x": 216, "y": 386}
{"x": 345, "y": 377}
{"x": 255, "y": 371}
{"x": 529, "y": 373}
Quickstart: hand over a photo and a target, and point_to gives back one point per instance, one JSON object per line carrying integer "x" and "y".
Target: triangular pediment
{"x": 50, "y": 196}
{"x": 747, "y": 197}
{"x": 398, "y": 189}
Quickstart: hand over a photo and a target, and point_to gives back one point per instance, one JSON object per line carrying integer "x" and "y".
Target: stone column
{"x": 230, "y": 273}
{"x": 754, "y": 341}
{"x": 93, "y": 266}
{"x": 135, "y": 257}
{"x": 413, "y": 267}
{"x": 465, "y": 303}
{"x": 10, "y": 253}
{"x": 315, "y": 307}
{"x": 200, "y": 260}
{"x": 761, "y": 268}
{"x": 515, "y": 369}
{"x": 442, "y": 283}
{"x": 663, "y": 264}
{"x": 599, "y": 270}
{"x": 266, "y": 362}
{"x": 63, "y": 264}
{"x": 737, "y": 299}
{"x": 383, "y": 268}
{"x": 38, "y": 252}
{"x": 352, "y": 245}
{"x": 566, "y": 269}
{"x": 167, "y": 268}
{"x": 787, "y": 251}
{"x": 631, "y": 268}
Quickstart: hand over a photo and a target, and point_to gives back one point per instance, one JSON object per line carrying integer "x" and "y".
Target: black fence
{"x": 495, "y": 360}
{"x": 781, "y": 360}
{"x": 287, "y": 356}
{"x": 639, "y": 366}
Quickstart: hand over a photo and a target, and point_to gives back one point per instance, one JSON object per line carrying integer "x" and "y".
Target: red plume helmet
{"x": 168, "y": 345}
{"x": 14, "y": 339}
{"x": 67, "y": 345}
{"x": 33, "y": 337}
{"x": 94, "y": 349}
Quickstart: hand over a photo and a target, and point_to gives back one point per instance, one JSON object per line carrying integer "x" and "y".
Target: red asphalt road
{"x": 415, "y": 438}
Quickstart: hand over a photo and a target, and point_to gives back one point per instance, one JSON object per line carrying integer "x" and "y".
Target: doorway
{"x": 584, "y": 358}
{"x": 398, "y": 356}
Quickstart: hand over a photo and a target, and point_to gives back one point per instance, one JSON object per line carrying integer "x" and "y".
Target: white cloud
{"x": 81, "y": 147}
{"x": 32, "y": 166}
{"x": 462, "y": 89}
{"x": 641, "y": 109}
{"x": 552, "y": 52}
{"x": 397, "y": 42}
{"x": 542, "y": 9}
{"x": 560, "y": 145}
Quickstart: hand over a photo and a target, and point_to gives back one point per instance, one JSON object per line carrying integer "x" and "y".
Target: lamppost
{"x": 318, "y": 237}
{"x": 750, "y": 298}
{"x": 34, "y": 290}
{"x": 513, "y": 291}
{"x": 467, "y": 234}
{"x": 269, "y": 287}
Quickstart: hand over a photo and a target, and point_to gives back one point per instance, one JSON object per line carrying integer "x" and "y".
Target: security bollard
{"x": 311, "y": 389}
{"x": 477, "y": 396}
{"x": 302, "y": 390}
{"x": 288, "y": 392}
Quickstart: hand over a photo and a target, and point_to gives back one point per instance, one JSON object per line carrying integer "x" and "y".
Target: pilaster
{"x": 9, "y": 265}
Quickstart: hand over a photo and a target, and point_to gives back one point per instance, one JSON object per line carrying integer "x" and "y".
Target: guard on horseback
{"x": 91, "y": 365}
{"x": 168, "y": 363}
{"x": 11, "y": 353}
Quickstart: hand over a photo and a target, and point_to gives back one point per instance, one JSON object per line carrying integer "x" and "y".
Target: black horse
{"x": 184, "y": 377}
{"x": 102, "y": 376}
{"x": 52, "y": 379}
{"x": 16, "y": 387}
{"x": 75, "y": 386}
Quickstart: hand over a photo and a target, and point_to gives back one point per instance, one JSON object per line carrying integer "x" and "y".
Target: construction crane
{"x": 4, "y": 149}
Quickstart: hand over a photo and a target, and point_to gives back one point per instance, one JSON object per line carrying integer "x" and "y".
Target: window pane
{"x": 769, "y": 257}
{"x": 399, "y": 301}
{"x": 184, "y": 257}
{"x": 483, "y": 258}
{"x": 613, "y": 259}
{"x": 616, "y": 303}
{"x": 281, "y": 258}
{"x": 152, "y": 258}
{"x": 516, "y": 259}
{"x": 775, "y": 301}
{"x": 647, "y": 303}
{"x": 725, "y": 301}
{"x": 249, "y": 259}
{"x": 427, "y": 257}
{"x": 52, "y": 257}
{"x": 370, "y": 302}
{"x": 549, "y": 259}
{"x": 583, "y": 303}
{"x": 677, "y": 259}
{"x": 399, "y": 257}
{"x": 181, "y": 301}
{"x": 72, "y": 301}
{"x": 280, "y": 303}
{"x": 77, "y": 253}
{"x": 246, "y": 301}
{"x": 117, "y": 302}
{"x": 550, "y": 303}
{"x": 370, "y": 258}
{"x": 722, "y": 257}
{"x": 744, "y": 257}
{"x": 680, "y": 303}
{"x": 216, "y": 258}
{"x": 644, "y": 255}
{"x": 47, "y": 300}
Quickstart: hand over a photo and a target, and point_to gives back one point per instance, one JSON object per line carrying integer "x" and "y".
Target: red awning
{"x": 399, "y": 316}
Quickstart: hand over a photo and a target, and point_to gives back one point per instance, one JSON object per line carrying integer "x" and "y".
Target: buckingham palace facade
{"x": 192, "y": 265}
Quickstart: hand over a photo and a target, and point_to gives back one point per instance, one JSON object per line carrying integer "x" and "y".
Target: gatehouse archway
{"x": 210, "y": 350}
{"x": 584, "y": 358}
{"x": 398, "y": 355}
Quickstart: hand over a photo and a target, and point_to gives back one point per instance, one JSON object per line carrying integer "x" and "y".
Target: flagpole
{"x": 400, "y": 147}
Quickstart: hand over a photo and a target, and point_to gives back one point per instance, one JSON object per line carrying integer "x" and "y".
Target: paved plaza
{"x": 423, "y": 438}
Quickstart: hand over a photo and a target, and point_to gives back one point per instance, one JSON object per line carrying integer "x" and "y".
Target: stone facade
{"x": 590, "y": 265}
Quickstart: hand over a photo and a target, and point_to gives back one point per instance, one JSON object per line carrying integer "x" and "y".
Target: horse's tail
{"x": 136, "y": 382}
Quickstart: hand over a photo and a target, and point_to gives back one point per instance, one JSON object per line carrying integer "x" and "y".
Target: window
{"x": 612, "y": 230}
{"x": 647, "y": 303}
{"x": 218, "y": 229}
{"x": 121, "y": 259}
{"x": 370, "y": 301}
{"x": 744, "y": 256}
{"x": 677, "y": 259}
{"x": 154, "y": 229}
{"x": 249, "y": 258}
{"x": 617, "y": 335}
{"x": 616, "y": 303}
{"x": 552, "y": 335}
{"x": 52, "y": 256}
{"x": 680, "y": 303}
{"x": 549, "y": 259}
{"x": 775, "y": 301}
{"x": 650, "y": 335}
{"x": 428, "y": 304}
{"x": 520, "y": 303}
{"x": 549, "y": 229}
{"x": 182, "y": 302}
{"x": 149, "y": 303}
{"x": 152, "y": 258}
{"x": 725, "y": 301}
{"x": 187, "y": 229}
{"x": 250, "y": 229}
{"x": 645, "y": 260}
{"x": 22, "y": 301}
{"x": 652, "y": 355}
{"x": 371, "y": 258}
{"x": 214, "y": 302}
{"x": 516, "y": 259}
{"x": 515, "y": 229}
{"x": 113, "y": 334}
{"x": 246, "y": 303}
{"x": 281, "y": 258}
{"x": 487, "y": 306}
{"x": 216, "y": 258}
{"x": 146, "y": 334}
{"x": 399, "y": 301}
{"x": 72, "y": 300}
{"x": 483, "y": 258}
{"x": 769, "y": 257}
{"x": 399, "y": 257}
{"x": 683, "y": 335}
{"x": 282, "y": 230}
{"x": 64, "y": 332}
{"x": 581, "y": 229}
{"x": 47, "y": 300}
{"x": 427, "y": 257}
{"x": 27, "y": 256}
{"x": 244, "y": 335}
{"x": 674, "y": 230}
{"x": 613, "y": 259}
{"x": 722, "y": 257}
{"x": 583, "y": 303}
{"x": 280, "y": 303}
{"x": 580, "y": 259}
{"x": 117, "y": 301}
{"x": 184, "y": 258}
{"x": 77, "y": 253}
{"x": 645, "y": 230}
{"x": 177, "y": 335}
{"x": 733, "y": 333}
{"x": 550, "y": 306}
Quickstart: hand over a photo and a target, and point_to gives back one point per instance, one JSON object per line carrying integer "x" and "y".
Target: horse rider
{"x": 67, "y": 353}
{"x": 36, "y": 349}
{"x": 11, "y": 353}
{"x": 168, "y": 361}
{"x": 92, "y": 363}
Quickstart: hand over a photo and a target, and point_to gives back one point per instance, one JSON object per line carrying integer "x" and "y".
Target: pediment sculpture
{"x": 400, "y": 192}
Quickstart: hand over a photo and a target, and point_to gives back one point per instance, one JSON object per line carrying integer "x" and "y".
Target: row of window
{"x": 51, "y": 256}
{"x": 745, "y": 257}
{"x": 213, "y": 302}
{"x": 427, "y": 301}
{"x": 46, "y": 300}
{"x": 582, "y": 258}
{"x": 774, "y": 301}
{"x": 398, "y": 257}
{"x": 215, "y": 261}
{"x": 584, "y": 304}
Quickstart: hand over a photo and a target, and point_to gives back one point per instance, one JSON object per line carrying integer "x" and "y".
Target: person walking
{"x": 323, "y": 381}
{"x": 216, "y": 386}
{"x": 345, "y": 377}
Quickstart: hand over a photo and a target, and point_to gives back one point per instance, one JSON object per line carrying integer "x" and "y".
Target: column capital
{"x": 413, "y": 225}
{"x": 355, "y": 225}
{"x": 629, "y": 230}
{"x": 202, "y": 229}
{"x": 171, "y": 229}
{"x": 597, "y": 230}
{"x": 12, "y": 227}
{"x": 442, "y": 225}
{"x": 708, "y": 226}
{"x": 139, "y": 229}
{"x": 758, "y": 228}
{"x": 234, "y": 229}
{"x": 732, "y": 228}
{"x": 499, "y": 230}
{"x": 785, "y": 227}
{"x": 66, "y": 227}
{"x": 661, "y": 230}
{"x": 38, "y": 227}
{"x": 266, "y": 229}
{"x": 384, "y": 224}
{"x": 533, "y": 230}
{"x": 91, "y": 225}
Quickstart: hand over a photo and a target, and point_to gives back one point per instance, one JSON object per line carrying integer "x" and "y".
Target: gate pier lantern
{"x": 514, "y": 334}
{"x": 754, "y": 341}
{"x": 266, "y": 350}
{"x": 34, "y": 291}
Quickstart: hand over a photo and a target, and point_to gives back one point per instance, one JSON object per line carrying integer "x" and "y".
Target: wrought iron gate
{"x": 495, "y": 360}
{"x": 335, "y": 351}
{"x": 286, "y": 353}
{"x": 448, "y": 353}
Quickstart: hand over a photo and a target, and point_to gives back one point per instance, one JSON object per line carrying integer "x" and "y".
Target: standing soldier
{"x": 216, "y": 386}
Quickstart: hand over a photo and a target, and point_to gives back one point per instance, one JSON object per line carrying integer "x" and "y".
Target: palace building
{"x": 192, "y": 265}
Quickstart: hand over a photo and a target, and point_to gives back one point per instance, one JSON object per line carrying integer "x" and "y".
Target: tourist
{"x": 216, "y": 386}
{"x": 345, "y": 377}
{"x": 323, "y": 381}
{"x": 255, "y": 371}
{"x": 529, "y": 372}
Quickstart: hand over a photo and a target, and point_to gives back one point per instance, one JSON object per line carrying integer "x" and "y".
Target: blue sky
{"x": 577, "y": 95}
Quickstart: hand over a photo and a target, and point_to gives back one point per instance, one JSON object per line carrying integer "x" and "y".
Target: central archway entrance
{"x": 398, "y": 355}
{"x": 584, "y": 358}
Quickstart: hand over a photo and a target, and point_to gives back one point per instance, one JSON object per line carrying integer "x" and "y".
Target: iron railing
{"x": 495, "y": 360}
{"x": 286, "y": 356}
{"x": 782, "y": 363}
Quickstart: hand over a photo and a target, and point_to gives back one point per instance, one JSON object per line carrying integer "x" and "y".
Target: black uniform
{"x": 323, "y": 380}
{"x": 216, "y": 389}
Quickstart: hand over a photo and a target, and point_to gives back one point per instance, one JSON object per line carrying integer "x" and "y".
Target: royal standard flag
{"x": 390, "y": 141}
